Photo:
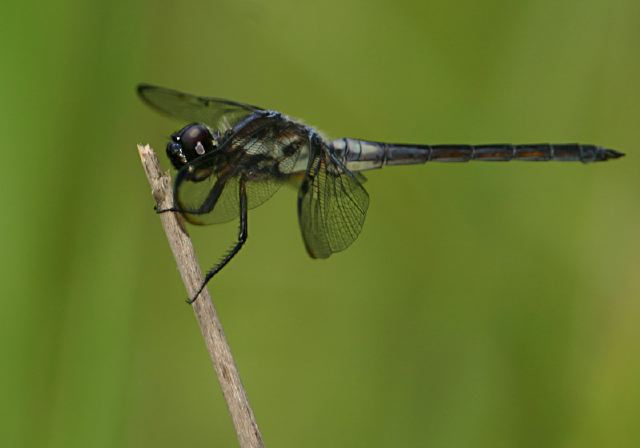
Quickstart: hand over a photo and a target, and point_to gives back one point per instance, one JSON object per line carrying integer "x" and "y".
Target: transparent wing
{"x": 207, "y": 189}
{"x": 216, "y": 200}
{"x": 332, "y": 205}
{"x": 218, "y": 113}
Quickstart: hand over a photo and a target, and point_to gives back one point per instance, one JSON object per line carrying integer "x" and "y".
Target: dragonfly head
{"x": 189, "y": 143}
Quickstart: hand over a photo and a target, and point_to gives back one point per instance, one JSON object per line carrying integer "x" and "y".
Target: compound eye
{"x": 196, "y": 140}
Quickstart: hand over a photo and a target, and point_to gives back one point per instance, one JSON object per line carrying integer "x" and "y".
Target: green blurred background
{"x": 484, "y": 305}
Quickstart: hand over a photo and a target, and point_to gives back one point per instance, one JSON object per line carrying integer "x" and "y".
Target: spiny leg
{"x": 165, "y": 210}
{"x": 242, "y": 237}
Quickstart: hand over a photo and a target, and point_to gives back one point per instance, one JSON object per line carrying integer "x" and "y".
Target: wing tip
{"x": 142, "y": 86}
{"x": 317, "y": 256}
{"x": 141, "y": 90}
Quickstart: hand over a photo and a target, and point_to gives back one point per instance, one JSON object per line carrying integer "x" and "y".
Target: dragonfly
{"x": 232, "y": 157}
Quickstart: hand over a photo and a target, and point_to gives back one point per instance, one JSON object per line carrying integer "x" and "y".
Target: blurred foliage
{"x": 484, "y": 305}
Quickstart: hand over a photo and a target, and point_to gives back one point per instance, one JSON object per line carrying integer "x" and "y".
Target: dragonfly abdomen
{"x": 541, "y": 152}
{"x": 363, "y": 155}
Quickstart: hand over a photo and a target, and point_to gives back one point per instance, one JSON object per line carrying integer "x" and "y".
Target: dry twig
{"x": 243, "y": 419}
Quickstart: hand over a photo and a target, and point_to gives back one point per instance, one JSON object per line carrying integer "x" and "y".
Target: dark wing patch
{"x": 218, "y": 113}
{"x": 332, "y": 205}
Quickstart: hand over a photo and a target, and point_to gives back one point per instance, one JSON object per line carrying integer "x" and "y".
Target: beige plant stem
{"x": 243, "y": 419}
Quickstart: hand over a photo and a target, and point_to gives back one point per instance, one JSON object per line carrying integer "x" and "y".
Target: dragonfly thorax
{"x": 189, "y": 143}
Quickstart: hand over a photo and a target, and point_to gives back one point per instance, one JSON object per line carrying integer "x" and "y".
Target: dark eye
{"x": 196, "y": 140}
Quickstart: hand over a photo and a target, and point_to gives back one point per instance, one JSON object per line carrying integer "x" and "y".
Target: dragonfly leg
{"x": 165, "y": 210}
{"x": 242, "y": 237}
{"x": 206, "y": 206}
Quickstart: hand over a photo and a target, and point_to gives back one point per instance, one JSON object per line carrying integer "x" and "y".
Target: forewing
{"x": 218, "y": 113}
{"x": 332, "y": 205}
